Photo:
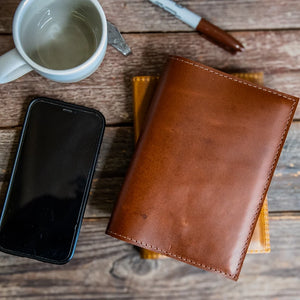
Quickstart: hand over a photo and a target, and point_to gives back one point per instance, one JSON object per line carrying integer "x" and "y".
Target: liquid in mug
{"x": 60, "y": 41}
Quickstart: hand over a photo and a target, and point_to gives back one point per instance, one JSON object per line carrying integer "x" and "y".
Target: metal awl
{"x": 116, "y": 39}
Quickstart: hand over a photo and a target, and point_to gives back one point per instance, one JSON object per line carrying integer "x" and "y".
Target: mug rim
{"x": 90, "y": 61}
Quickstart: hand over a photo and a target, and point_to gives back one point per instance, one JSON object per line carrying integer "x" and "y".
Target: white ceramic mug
{"x": 63, "y": 40}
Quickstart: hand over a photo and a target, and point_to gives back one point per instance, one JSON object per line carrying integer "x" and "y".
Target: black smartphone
{"x": 50, "y": 181}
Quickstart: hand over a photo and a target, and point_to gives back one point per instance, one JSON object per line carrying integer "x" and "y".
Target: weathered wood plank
{"x": 104, "y": 267}
{"x": 7, "y": 10}
{"x": 277, "y": 54}
{"x": 284, "y": 192}
{"x": 142, "y": 16}
{"x": 116, "y": 152}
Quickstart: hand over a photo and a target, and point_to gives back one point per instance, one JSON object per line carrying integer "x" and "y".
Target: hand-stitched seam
{"x": 145, "y": 78}
{"x": 172, "y": 254}
{"x": 264, "y": 218}
{"x": 152, "y": 255}
{"x": 256, "y": 251}
{"x": 251, "y": 226}
{"x": 275, "y": 156}
{"x": 233, "y": 79}
{"x": 266, "y": 247}
{"x": 266, "y": 232}
{"x": 253, "y": 77}
{"x": 234, "y": 276}
{"x": 265, "y": 187}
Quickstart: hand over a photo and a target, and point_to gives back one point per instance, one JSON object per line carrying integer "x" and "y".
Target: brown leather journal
{"x": 143, "y": 90}
{"x": 202, "y": 167}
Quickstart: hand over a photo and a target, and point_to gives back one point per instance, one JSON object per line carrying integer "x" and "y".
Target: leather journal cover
{"x": 202, "y": 167}
{"x": 143, "y": 90}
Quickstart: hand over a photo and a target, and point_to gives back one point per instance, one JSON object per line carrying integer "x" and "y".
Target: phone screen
{"x": 50, "y": 182}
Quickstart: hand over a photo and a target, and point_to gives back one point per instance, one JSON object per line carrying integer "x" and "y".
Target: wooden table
{"x": 107, "y": 268}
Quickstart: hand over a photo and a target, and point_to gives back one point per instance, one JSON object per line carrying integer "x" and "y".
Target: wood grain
{"x": 115, "y": 156}
{"x": 7, "y": 10}
{"x": 284, "y": 192}
{"x": 106, "y": 268}
{"x": 277, "y": 54}
{"x": 142, "y": 16}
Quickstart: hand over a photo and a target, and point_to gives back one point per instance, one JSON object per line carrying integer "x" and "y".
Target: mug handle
{"x": 12, "y": 66}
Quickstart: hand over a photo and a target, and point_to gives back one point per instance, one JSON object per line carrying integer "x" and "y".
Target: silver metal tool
{"x": 116, "y": 40}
